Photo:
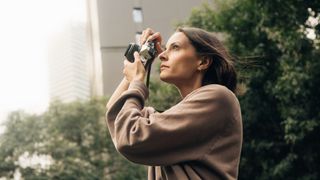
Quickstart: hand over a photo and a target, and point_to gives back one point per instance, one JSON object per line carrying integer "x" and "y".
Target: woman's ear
{"x": 205, "y": 63}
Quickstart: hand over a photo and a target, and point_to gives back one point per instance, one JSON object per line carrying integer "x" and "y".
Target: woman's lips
{"x": 163, "y": 67}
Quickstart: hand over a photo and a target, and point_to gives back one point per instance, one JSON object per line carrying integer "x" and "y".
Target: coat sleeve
{"x": 184, "y": 132}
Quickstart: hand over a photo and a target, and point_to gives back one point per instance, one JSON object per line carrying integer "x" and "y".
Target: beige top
{"x": 199, "y": 138}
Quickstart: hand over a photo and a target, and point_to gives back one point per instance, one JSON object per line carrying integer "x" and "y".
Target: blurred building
{"x": 69, "y": 77}
{"x": 121, "y": 22}
{"x": 75, "y": 70}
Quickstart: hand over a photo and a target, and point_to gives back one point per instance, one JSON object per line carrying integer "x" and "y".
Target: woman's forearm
{"x": 123, "y": 86}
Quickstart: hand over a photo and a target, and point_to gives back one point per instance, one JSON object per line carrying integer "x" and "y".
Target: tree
{"x": 281, "y": 105}
{"x": 162, "y": 96}
{"x": 74, "y": 136}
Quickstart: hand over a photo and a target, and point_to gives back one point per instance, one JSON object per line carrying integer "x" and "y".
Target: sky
{"x": 25, "y": 30}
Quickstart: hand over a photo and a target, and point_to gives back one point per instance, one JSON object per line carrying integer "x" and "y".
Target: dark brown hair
{"x": 221, "y": 70}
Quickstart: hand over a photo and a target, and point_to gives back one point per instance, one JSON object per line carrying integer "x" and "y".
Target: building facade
{"x": 69, "y": 77}
{"x": 120, "y": 23}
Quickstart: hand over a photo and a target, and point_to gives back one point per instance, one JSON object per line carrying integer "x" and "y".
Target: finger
{"x": 139, "y": 64}
{"x": 159, "y": 48}
{"x": 145, "y": 34}
{"x": 158, "y": 39}
{"x": 155, "y": 37}
{"x": 137, "y": 60}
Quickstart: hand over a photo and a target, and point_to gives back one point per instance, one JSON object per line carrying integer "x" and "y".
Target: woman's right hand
{"x": 149, "y": 35}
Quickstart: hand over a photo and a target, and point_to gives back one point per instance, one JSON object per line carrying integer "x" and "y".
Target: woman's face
{"x": 179, "y": 61}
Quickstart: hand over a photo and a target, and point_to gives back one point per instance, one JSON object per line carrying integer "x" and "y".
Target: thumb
{"x": 136, "y": 56}
{"x": 138, "y": 61}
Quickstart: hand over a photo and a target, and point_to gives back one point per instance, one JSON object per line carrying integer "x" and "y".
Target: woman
{"x": 201, "y": 136}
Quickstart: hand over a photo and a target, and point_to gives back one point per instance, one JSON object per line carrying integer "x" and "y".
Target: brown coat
{"x": 199, "y": 138}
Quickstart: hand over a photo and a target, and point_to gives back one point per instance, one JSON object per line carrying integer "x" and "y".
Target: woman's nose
{"x": 163, "y": 56}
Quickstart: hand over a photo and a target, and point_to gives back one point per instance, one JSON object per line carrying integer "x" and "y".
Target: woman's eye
{"x": 175, "y": 47}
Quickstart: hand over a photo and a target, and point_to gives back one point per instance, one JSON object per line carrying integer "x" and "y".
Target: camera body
{"x": 147, "y": 52}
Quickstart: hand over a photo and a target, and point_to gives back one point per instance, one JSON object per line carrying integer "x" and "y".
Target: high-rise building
{"x": 69, "y": 63}
{"x": 75, "y": 69}
{"x": 121, "y": 22}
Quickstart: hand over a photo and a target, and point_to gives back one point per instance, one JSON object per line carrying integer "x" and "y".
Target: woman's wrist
{"x": 138, "y": 78}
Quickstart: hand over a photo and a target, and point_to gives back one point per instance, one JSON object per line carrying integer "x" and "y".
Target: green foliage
{"x": 281, "y": 105}
{"x": 162, "y": 95}
{"x": 74, "y": 135}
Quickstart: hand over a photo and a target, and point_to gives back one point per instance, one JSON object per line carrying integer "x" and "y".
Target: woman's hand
{"x": 134, "y": 71}
{"x": 149, "y": 35}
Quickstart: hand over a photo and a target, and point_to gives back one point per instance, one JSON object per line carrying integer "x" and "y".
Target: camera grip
{"x": 130, "y": 50}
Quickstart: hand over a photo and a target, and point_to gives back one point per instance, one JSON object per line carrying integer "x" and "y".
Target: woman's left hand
{"x": 134, "y": 71}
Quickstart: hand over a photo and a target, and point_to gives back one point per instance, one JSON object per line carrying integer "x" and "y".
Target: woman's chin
{"x": 163, "y": 77}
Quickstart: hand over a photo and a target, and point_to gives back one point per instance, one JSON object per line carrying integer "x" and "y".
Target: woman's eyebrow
{"x": 174, "y": 43}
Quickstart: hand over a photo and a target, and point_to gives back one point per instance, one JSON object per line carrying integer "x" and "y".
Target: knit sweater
{"x": 198, "y": 138}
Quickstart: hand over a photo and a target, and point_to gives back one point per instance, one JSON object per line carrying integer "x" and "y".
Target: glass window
{"x": 137, "y": 15}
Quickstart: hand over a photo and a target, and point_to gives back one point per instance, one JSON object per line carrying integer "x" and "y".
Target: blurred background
{"x": 61, "y": 60}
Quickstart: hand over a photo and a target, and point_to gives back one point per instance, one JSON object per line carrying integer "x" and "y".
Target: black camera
{"x": 147, "y": 52}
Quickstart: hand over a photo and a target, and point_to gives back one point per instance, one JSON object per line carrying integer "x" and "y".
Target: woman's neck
{"x": 188, "y": 87}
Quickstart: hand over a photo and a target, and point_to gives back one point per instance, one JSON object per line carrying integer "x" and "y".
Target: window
{"x": 138, "y": 35}
{"x": 137, "y": 15}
